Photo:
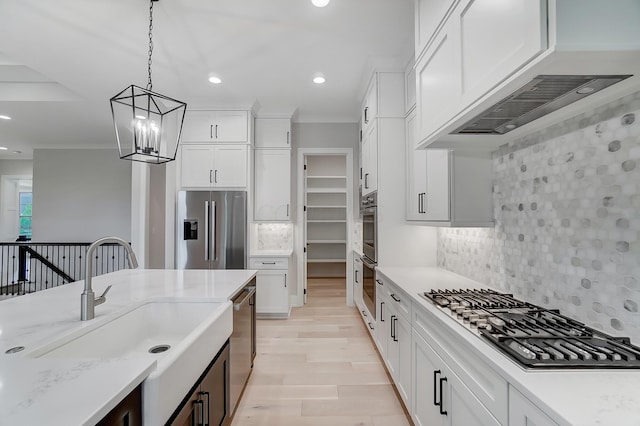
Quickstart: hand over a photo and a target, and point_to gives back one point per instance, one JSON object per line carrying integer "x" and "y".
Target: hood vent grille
{"x": 541, "y": 96}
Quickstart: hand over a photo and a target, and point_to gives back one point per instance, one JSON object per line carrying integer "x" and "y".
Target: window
{"x": 25, "y": 214}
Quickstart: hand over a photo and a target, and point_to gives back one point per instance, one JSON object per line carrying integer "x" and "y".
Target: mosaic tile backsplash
{"x": 275, "y": 236}
{"x": 567, "y": 212}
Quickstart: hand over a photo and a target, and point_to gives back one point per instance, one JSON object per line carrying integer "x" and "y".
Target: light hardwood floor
{"x": 317, "y": 368}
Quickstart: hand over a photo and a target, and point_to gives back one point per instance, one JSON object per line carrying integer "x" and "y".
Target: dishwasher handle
{"x": 248, "y": 292}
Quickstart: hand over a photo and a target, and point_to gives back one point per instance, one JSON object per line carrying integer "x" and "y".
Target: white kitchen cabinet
{"x": 382, "y": 316}
{"x": 358, "y": 298}
{"x": 272, "y": 286}
{"x": 399, "y": 352}
{"x": 216, "y": 126}
{"x": 369, "y": 105}
{"x": 429, "y": 15}
{"x": 214, "y": 166}
{"x": 273, "y": 133}
{"x": 447, "y": 188}
{"x": 370, "y": 160}
{"x": 440, "y": 397}
{"x": 272, "y": 185}
{"x": 523, "y": 412}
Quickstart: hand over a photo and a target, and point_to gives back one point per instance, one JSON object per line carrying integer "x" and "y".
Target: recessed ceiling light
{"x": 5, "y": 117}
{"x": 215, "y": 79}
{"x": 585, "y": 90}
{"x": 3, "y": 148}
{"x": 17, "y": 152}
{"x": 320, "y": 3}
{"x": 318, "y": 78}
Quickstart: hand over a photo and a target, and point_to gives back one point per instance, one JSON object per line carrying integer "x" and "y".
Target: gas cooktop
{"x": 533, "y": 336}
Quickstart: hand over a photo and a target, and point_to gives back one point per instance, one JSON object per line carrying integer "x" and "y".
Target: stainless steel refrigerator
{"x": 212, "y": 230}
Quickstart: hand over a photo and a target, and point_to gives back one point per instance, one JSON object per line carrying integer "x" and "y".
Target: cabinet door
{"x": 216, "y": 126}
{"x": 403, "y": 380}
{"x": 462, "y": 406}
{"x": 197, "y": 166}
{"x": 438, "y": 85}
{"x": 518, "y": 33}
{"x": 416, "y": 174}
{"x": 370, "y": 104}
{"x": 230, "y": 166}
{"x": 127, "y": 413}
{"x": 230, "y": 126}
{"x": 214, "y": 391}
{"x": 436, "y": 203}
{"x": 272, "y": 184}
{"x": 370, "y": 161}
{"x": 273, "y": 133}
{"x": 357, "y": 284}
{"x": 523, "y": 413}
{"x": 427, "y": 372}
{"x": 272, "y": 294}
{"x": 192, "y": 413}
{"x": 382, "y": 319}
{"x": 429, "y": 14}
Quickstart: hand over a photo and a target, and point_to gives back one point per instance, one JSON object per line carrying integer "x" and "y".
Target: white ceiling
{"x": 61, "y": 61}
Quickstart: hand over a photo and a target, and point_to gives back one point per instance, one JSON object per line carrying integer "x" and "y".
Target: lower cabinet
{"x": 272, "y": 286}
{"x": 208, "y": 403}
{"x": 357, "y": 282}
{"x": 399, "y": 353}
{"x": 440, "y": 397}
{"x": 127, "y": 413}
{"x": 522, "y": 412}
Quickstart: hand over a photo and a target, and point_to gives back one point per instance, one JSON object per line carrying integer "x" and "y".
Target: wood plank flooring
{"x": 317, "y": 368}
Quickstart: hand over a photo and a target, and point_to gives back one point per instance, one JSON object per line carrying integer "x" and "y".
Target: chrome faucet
{"x": 88, "y": 302}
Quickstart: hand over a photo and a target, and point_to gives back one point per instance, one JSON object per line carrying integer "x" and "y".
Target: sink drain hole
{"x": 159, "y": 349}
{"x": 14, "y": 350}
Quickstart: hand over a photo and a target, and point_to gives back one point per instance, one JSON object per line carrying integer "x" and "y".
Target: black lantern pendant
{"x": 148, "y": 125}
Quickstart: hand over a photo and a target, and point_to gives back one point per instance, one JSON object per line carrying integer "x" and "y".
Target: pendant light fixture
{"x": 148, "y": 125}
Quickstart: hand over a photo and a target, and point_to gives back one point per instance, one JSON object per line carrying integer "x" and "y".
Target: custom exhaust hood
{"x": 541, "y": 96}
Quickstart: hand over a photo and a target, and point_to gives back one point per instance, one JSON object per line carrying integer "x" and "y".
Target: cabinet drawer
{"x": 487, "y": 385}
{"x": 269, "y": 263}
{"x": 396, "y": 297}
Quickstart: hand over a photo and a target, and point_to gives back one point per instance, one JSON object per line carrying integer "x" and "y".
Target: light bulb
{"x": 320, "y": 3}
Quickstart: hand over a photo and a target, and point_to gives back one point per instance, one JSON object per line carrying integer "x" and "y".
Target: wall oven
{"x": 368, "y": 209}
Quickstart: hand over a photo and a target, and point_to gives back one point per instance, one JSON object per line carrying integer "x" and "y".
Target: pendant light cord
{"x": 149, "y": 83}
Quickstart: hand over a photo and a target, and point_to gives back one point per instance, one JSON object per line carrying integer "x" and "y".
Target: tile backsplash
{"x": 274, "y": 236}
{"x": 567, "y": 213}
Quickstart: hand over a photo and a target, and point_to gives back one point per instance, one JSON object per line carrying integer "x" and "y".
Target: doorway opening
{"x": 326, "y": 217}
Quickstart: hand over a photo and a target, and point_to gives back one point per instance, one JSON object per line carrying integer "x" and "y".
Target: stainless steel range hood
{"x": 541, "y": 96}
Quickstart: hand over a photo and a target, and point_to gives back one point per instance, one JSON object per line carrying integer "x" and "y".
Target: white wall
{"x": 80, "y": 195}
{"x": 16, "y": 167}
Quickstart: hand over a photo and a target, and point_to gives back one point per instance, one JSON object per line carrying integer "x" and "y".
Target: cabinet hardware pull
{"x": 395, "y": 329}
{"x": 205, "y": 417}
{"x": 435, "y": 388}
{"x": 268, "y": 263}
{"x": 381, "y": 312}
{"x": 287, "y": 209}
{"x": 285, "y": 280}
{"x": 379, "y": 282}
{"x": 370, "y": 326}
{"x": 356, "y": 271}
{"x": 443, "y": 412}
{"x": 288, "y": 138}
{"x": 210, "y": 176}
{"x": 364, "y": 313}
{"x": 216, "y": 131}
{"x": 215, "y": 176}
{"x": 393, "y": 296}
{"x": 366, "y": 115}
{"x": 200, "y": 421}
{"x": 211, "y": 132}
{"x": 366, "y": 181}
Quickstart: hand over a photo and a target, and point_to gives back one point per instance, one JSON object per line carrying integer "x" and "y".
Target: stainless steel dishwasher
{"x": 243, "y": 340}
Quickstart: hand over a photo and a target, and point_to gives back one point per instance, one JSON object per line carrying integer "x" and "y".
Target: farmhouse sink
{"x": 181, "y": 336}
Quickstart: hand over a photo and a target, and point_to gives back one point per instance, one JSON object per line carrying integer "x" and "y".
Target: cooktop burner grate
{"x": 534, "y": 336}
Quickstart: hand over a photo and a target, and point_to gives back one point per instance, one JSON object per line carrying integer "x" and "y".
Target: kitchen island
{"x": 65, "y": 390}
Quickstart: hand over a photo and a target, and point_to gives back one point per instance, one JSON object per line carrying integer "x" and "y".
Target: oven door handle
{"x": 368, "y": 263}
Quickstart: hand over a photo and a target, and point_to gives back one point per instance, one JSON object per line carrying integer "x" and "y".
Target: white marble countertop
{"x": 271, "y": 253}
{"x": 32, "y": 389}
{"x": 570, "y": 397}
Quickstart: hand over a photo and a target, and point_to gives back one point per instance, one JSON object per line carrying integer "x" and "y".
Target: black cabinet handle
{"x": 287, "y": 138}
{"x": 366, "y": 114}
{"x": 381, "y": 312}
{"x": 216, "y": 131}
{"x": 379, "y": 282}
{"x": 435, "y": 388}
{"x": 442, "y": 412}
{"x": 393, "y": 328}
{"x": 364, "y": 313}
{"x": 370, "y": 326}
{"x": 366, "y": 180}
{"x": 215, "y": 176}
{"x": 356, "y": 273}
{"x": 211, "y": 132}
{"x": 393, "y": 296}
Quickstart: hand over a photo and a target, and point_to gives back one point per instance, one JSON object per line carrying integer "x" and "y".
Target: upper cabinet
{"x": 474, "y": 56}
{"x": 272, "y": 185}
{"x": 214, "y": 166}
{"x": 216, "y": 126}
{"x": 445, "y": 187}
{"x": 273, "y": 133}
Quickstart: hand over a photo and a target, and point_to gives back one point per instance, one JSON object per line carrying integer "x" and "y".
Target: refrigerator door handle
{"x": 206, "y": 230}
{"x": 212, "y": 235}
